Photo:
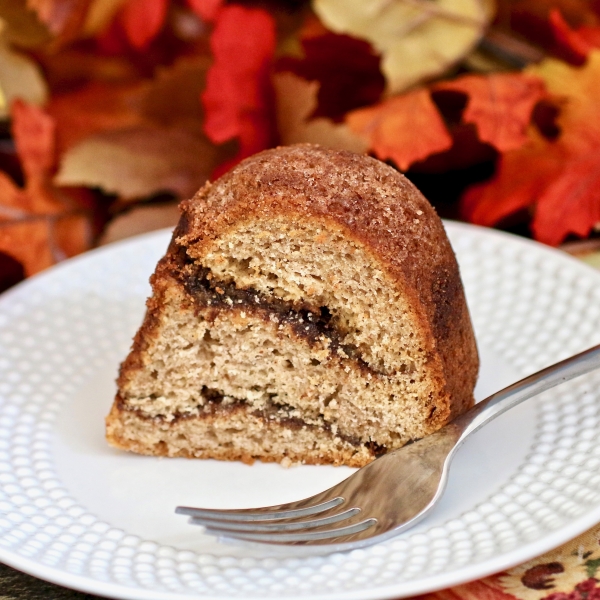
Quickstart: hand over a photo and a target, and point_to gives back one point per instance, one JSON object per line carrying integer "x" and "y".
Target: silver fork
{"x": 388, "y": 495}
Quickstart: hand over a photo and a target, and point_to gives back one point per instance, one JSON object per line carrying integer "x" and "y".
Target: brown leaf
{"x": 405, "y": 129}
{"x": 171, "y": 98}
{"x": 296, "y": 101}
{"x": 140, "y": 219}
{"x": 346, "y": 69}
{"x": 64, "y": 18}
{"x": 140, "y": 161}
{"x": 418, "y": 39}
{"x": 21, "y": 25}
{"x": 73, "y": 67}
{"x": 159, "y": 120}
{"x": 94, "y": 108}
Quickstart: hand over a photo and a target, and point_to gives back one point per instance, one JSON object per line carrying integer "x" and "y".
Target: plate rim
{"x": 428, "y": 584}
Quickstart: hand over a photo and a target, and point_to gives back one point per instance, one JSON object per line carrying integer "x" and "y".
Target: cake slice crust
{"x": 291, "y": 317}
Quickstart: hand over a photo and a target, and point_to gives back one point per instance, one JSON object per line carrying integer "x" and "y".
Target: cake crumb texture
{"x": 309, "y": 309}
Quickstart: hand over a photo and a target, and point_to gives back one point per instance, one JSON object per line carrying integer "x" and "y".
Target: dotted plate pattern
{"x": 531, "y": 305}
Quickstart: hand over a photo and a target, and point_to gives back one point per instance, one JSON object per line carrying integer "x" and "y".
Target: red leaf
{"x": 142, "y": 20}
{"x": 346, "y": 68}
{"x": 571, "y": 203}
{"x": 500, "y": 105}
{"x": 569, "y": 40}
{"x": 206, "y": 9}
{"x": 238, "y": 96}
{"x": 521, "y": 177}
{"x": 405, "y": 128}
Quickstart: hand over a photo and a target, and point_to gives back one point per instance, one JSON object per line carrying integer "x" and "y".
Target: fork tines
{"x": 278, "y": 524}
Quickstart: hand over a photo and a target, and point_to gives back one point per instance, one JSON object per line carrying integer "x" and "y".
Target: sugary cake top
{"x": 370, "y": 200}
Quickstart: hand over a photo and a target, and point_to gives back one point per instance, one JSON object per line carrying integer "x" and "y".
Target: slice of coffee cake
{"x": 308, "y": 309}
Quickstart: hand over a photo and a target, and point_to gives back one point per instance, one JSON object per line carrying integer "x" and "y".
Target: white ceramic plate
{"x": 78, "y": 513}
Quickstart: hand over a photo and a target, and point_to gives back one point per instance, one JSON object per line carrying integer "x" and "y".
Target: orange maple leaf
{"x": 556, "y": 178}
{"x": 39, "y": 224}
{"x": 405, "y": 128}
{"x": 499, "y": 105}
{"x": 238, "y": 97}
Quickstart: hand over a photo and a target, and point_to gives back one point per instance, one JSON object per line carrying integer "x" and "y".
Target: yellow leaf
{"x": 20, "y": 77}
{"x": 296, "y": 100}
{"x": 418, "y": 39}
{"x": 577, "y": 88}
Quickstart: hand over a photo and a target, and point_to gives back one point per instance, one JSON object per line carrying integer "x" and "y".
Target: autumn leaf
{"x": 238, "y": 97}
{"x": 142, "y": 20}
{"x": 21, "y": 26}
{"x": 139, "y": 162}
{"x": 405, "y": 129}
{"x": 140, "y": 218}
{"x": 94, "y": 108}
{"x": 99, "y": 15}
{"x": 417, "y": 39}
{"x": 578, "y": 41}
{"x": 64, "y": 19}
{"x": 296, "y": 101}
{"x": 346, "y": 69}
{"x": 137, "y": 140}
{"x": 33, "y": 133}
{"x": 20, "y": 77}
{"x": 571, "y": 202}
{"x": 206, "y": 9}
{"x": 171, "y": 97}
{"x": 557, "y": 178}
{"x": 39, "y": 224}
{"x": 576, "y": 90}
{"x": 499, "y": 105}
{"x": 549, "y": 23}
{"x": 521, "y": 178}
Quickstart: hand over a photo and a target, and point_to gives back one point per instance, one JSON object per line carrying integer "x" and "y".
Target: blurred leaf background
{"x": 111, "y": 111}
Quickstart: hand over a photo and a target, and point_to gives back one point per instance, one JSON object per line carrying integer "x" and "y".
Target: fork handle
{"x": 496, "y": 404}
